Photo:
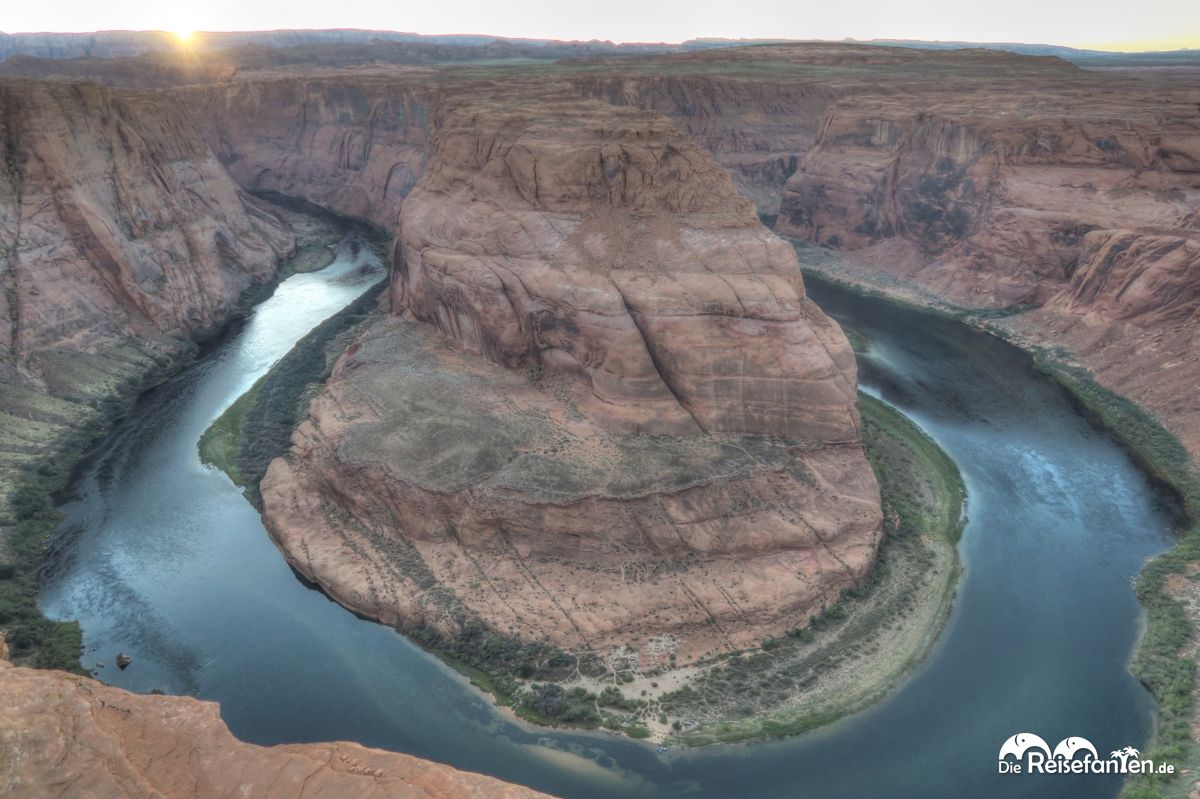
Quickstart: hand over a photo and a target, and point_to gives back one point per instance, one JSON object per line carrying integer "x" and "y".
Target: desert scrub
{"x": 859, "y": 648}
{"x": 526, "y": 677}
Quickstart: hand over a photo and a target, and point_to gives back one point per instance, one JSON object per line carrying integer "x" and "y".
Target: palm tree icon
{"x": 1125, "y": 755}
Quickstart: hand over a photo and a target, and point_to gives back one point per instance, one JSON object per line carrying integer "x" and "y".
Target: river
{"x": 161, "y": 558}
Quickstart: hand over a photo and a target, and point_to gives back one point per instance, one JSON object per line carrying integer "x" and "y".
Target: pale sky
{"x": 1109, "y": 24}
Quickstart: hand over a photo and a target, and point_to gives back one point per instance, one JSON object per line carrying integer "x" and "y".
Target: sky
{"x": 1106, "y": 24}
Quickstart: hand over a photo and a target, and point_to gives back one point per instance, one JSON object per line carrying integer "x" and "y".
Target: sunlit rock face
{"x": 603, "y": 413}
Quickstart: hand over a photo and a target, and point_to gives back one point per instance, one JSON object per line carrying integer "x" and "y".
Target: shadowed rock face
{"x": 121, "y": 239}
{"x": 117, "y": 217}
{"x": 992, "y": 197}
{"x": 352, "y": 144}
{"x": 618, "y": 421}
{"x": 755, "y": 127}
{"x": 63, "y": 735}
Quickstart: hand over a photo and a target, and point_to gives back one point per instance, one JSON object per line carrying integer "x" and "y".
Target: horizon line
{"x": 885, "y": 41}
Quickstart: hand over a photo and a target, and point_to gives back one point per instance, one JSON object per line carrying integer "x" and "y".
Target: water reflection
{"x": 163, "y": 559}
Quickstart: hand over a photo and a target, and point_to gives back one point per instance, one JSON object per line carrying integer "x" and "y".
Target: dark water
{"x": 161, "y": 558}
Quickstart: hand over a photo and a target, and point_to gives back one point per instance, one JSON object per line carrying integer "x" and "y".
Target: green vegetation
{"x": 519, "y": 675}
{"x": 1160, "y": 661}
{"x": 219, "y": 444}
{"x": 858, "y": 342}
{"x": 861, "y": 647}
{"x": 917, "y": 480}
{"x": 258, "y": 427}
{"x": 33, "y": 640}
{"x": 43, "y": 436}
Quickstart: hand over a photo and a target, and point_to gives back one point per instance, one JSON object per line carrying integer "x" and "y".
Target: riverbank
{"x": 857, "y": 651}
{"x": 1162, "y": 660}
{"x": 44, "y": 437}
{"x": 866, "y": 644}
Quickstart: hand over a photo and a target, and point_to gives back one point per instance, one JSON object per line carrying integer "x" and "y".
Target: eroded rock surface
{"x": 614, "y": 419}
{"x": 994, "y": 191}
{"x": 62, "y": 735}
{"x": 354, "y": 144}
{"x": 122, "y": 238}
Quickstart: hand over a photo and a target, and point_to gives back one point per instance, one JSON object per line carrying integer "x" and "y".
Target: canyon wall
{"x": 1070, "y": 211}
{"x": 123, "y": 239}
{"x": 65, "y": 735}
{"x": 755, "y": 127}
{"x": 994, "y": 197}
{"x": 353, "y": 144}
{"x": 603, "y": 415}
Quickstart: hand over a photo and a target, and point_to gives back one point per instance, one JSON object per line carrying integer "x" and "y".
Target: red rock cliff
{"x": 352, "y": 144}
{"x": 121, "y": 239}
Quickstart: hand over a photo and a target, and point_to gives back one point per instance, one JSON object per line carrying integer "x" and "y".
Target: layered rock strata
{"x": 122, "y": 239}
{"x": 604, "y": 414}
{"x": 352, "y": 144}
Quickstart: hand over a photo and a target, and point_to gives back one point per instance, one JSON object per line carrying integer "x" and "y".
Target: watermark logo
{"x": 1026, "y": 753}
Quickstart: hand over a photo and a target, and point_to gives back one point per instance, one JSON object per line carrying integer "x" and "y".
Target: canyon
{"x": 622, "y": 430}
{"x": 124, "y": 241}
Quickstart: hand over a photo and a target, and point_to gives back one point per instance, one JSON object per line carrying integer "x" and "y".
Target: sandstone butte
{"x": 618, "y": 425}
{"x": 66, "y": 735}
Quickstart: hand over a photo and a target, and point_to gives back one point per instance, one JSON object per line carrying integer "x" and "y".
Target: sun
{"x": 184, "y": 37}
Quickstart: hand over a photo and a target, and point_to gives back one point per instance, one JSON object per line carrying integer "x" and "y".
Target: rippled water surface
{"x": 161, "y": 557}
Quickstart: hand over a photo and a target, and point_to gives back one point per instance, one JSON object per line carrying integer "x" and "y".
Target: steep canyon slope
{"x": 123, "y": 240}
{"x": 355, "y": 144}
{"x": 618, "y": 425}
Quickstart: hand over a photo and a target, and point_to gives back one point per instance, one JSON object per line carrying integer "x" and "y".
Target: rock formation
{"x": 122, "y": 238}
{"x": 756, "y": 126}
{"x": 66, "y": 736}
{"x": 353, "y": 144}
{"x": 993, "y": 198}
{"x": 631, "y": 429}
